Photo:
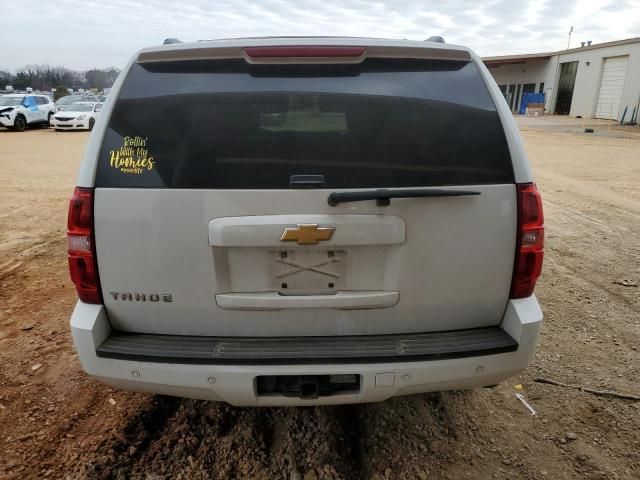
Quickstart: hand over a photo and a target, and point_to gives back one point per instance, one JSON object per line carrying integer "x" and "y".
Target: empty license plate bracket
{"x": 300, "y": 272}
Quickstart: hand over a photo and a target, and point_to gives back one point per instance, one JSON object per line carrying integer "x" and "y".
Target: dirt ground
{"x": 55, "y": 422}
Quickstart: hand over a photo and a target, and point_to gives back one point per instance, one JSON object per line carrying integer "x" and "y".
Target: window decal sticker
{"x": 31, "y": 104}
{"x": 132, "y": 157}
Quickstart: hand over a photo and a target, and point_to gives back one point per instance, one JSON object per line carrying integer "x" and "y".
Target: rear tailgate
{"x": 202, "y": 229}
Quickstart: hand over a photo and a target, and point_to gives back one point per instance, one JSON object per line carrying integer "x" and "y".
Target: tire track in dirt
{"x": 198, "y": 439}
{"x": 119, "y": 453}
{"x": 596, "y": 244}
{"x": 409, "y": 437}
{"x": 17, "y": 254}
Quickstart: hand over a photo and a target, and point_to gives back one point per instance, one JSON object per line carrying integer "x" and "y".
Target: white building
{"x": 592, "y": 81}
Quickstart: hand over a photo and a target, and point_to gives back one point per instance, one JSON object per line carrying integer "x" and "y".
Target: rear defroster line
{"x": 383, "y": 196}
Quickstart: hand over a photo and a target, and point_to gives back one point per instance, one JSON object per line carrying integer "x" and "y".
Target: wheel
{"x": 49, "y": 120}
{"x": 92, "y": 122}
{"x": 20, "y": 123}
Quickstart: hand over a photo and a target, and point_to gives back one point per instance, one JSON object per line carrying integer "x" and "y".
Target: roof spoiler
{"x": 199, "y": 51}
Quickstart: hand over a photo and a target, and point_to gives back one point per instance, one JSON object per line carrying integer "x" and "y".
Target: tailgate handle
{"x": 274, "y": 301}
{"x": 383, "y": 196}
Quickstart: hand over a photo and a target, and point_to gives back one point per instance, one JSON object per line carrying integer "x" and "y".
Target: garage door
{"x": 613, "y": 75}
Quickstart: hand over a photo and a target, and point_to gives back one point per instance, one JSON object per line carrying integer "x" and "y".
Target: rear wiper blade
{"x": 383, "y": 196}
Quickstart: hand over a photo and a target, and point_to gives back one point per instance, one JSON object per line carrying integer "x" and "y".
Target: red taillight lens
{"x": 83, "y": 265}
{"x": 304, "y": 51}
{"x": 529, "y": 241}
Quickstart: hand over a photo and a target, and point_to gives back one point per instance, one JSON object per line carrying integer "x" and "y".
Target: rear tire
{"x": 20, "y": 123}
{"x": 49, "y": 120}
{"x": 92, "y": 122}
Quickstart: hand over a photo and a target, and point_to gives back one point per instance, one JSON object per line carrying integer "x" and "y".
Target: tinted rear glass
{"x": 228, "y": 124}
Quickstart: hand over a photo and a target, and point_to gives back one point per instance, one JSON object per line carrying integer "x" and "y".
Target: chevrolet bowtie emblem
{"x": 307, "y": 234}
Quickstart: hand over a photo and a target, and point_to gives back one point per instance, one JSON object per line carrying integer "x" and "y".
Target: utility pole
{"x": 569, "y": 42}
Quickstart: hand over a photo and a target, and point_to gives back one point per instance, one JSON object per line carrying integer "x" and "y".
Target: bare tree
{"x": 46, "y": 77}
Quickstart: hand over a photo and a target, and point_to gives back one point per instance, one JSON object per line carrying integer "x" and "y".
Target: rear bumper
{"x": 235, "y": 382}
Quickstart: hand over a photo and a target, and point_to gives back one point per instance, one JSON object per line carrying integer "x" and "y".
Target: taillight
{"x": 304, "y": 51}
{"x": 83, "y": 265}
{"x": 529, "y": 241}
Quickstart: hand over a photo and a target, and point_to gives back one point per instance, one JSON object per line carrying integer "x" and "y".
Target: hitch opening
{"x": 307, "y": 387}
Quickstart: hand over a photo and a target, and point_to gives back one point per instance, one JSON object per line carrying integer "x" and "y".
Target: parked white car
{"x": 302, "y": 221}
{"x": 64, "y": 103}
{"x": 77, "y": 116}
{"x": 18, "y": 111}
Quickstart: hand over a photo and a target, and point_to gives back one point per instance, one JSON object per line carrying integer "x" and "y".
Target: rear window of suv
{"x": 227, "y": 124}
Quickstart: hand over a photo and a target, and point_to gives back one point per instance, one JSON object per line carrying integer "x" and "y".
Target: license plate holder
{"x": 300, "y": 272}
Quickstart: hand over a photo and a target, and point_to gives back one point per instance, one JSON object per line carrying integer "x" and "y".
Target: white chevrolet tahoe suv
{"x": 300, "y": 221}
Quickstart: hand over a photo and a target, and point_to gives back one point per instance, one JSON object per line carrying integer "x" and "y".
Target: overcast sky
{"x": 84, "y": 34}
